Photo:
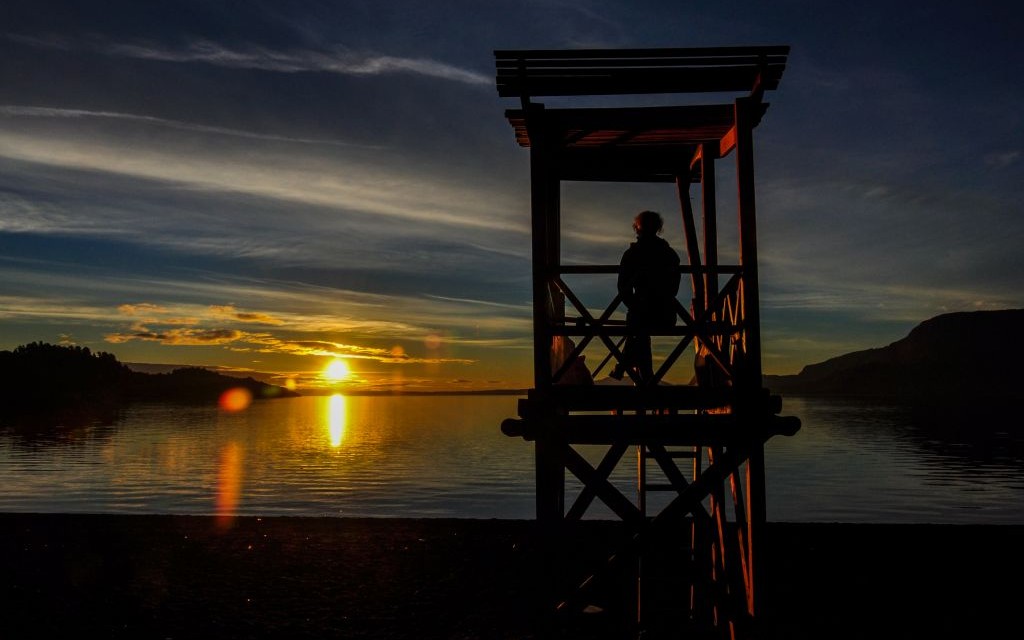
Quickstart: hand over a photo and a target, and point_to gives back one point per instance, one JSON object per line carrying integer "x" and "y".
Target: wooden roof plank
{"x": 640, "y": 81}
{"x": 677, "y": 52}
{"x": 638, "y": 71}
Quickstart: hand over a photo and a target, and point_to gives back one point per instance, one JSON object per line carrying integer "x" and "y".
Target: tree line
{"x": 40, "y": 379}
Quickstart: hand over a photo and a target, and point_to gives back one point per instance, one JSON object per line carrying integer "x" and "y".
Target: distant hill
{"x": 968, "y": 357}
{"x": 196, "y": 384}
{"x": 148, "y": 367}
{"x": 53, "y": 383}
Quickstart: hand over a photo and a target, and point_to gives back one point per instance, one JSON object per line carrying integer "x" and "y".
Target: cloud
{"x": 140, "y": 308}
{"x": 147, "y": 313}
{"x": 22, "y": 111}
{"x": 179, "y": 337}
{"x": 337, "y": 60}
{"x": 21, "y": 308}
{"x": 1002, "y": 160}
{"x": 346, "y": 184}
{"x": 229, "y": 311}
{"x": 268, "y": 343}
{"x": 271, "y": 344}
{"x": 156, "y": 323}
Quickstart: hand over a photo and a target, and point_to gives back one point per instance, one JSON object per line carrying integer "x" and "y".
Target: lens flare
{"x": 235, "y": 399}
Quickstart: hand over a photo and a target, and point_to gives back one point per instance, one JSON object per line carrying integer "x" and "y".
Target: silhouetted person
{"x": 648, "y": 283}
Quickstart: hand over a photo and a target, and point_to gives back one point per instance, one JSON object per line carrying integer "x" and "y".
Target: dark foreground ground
{"x": 70, "y": 576}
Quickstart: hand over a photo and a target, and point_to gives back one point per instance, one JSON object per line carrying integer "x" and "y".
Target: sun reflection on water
{"x": 229, "y": 483}
{"x": 337, "y": 418}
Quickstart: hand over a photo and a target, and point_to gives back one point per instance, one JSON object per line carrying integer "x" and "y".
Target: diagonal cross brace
{"x": 688, "y": 501}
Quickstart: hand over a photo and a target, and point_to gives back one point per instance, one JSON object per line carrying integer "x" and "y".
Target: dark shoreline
{"x": 155, "y": 576}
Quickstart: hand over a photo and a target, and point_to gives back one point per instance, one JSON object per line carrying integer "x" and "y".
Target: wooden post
{"x": 749, "y": 375}
{"x": 540, "y": 204}
{"x": 549, "y": 451}
{"x": 692, "y": 246}
{"x": 709, "y": 219}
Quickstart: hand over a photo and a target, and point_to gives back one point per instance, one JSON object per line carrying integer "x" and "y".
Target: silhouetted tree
{"x": 54, "y": 384}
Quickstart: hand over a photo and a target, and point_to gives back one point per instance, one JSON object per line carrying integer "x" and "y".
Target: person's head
{"x": 647, "y": 223}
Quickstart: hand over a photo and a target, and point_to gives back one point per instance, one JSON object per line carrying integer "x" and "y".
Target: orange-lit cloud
{"x": 140, "y": 308}
{"x": 272, "y": 344}
{"x": 148, "y": 313}
{"x": 143, "y": 329}
{"x": 229, "y": 311}
{"x": 186, "y": 337}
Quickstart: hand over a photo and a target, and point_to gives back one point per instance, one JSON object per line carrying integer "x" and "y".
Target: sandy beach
{"x": 122, "y": 576}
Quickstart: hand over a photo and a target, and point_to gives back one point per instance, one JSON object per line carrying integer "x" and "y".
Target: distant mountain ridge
{"x": 963, "y": 357}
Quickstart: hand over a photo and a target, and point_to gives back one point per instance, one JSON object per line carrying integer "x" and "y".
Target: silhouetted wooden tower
{"x": 718, "y": 425}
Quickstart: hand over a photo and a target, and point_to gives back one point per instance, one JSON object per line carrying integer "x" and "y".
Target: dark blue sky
{"x": 263, "y": 185}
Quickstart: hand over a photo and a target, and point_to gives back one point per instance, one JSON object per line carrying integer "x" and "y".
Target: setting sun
{"x": 336, "y": 370}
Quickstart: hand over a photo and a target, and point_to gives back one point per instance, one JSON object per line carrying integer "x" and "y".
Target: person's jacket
{"x": 649, "y": 281}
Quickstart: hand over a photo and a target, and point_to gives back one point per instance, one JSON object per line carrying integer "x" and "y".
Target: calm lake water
{"x": 445, "y": 456}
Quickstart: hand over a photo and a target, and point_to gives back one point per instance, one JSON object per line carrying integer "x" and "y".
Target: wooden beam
{"x": 727, "y": 143}
{"x": 709, "y": 221}
{"x": 589, "y": 491}
{"x": 678, "y": 52}
{"x": 695, "y": 160}
{"x": 692, "y": 247}
{"x": 679, "y": 430}
{"x": 603, "y": 489}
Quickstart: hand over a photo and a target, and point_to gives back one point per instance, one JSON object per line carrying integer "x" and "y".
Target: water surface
{"x": 444, "y": 456}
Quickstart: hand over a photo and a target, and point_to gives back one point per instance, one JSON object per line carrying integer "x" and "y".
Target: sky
{"x": 267, "y": 186}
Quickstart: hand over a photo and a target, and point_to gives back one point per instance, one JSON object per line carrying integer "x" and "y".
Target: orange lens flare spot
{"x": 236, "y": 399}
{"x": 432, "y": 341}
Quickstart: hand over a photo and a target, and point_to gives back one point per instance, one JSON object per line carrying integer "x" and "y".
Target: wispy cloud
{"x": 338, "y": 59}
{"x": 355, "y": 184}
{"x": 1003, "y": 159}
{"x": 28, "y": 111}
